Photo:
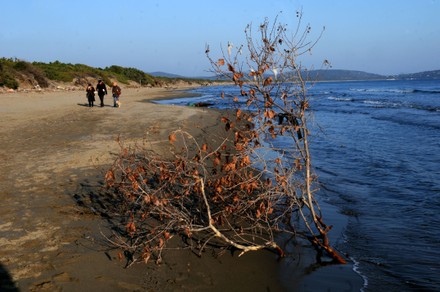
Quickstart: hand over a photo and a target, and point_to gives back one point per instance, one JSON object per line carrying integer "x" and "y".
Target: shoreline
{"x": 55, "y": 150}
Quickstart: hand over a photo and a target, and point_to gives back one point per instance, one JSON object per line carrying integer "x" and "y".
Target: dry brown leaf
{"x": 238, "y": 113}
{"x": 267, "y": 81}
{"x": 130, "y": 227}
{"x": 246, "y": 160}
{"x": 172, "y": 138}
{"x": 270, "y": 114}
{"x": 188, "y": 232}
{"x": 110, "y": 177}
{"x": 258, "y": 214}
{"x": 146, "y": 256}
{"x": 224, "y": 119}
{"x": 237, "y": 76}
{"x": 217, "y": 161}
{"x": 298, "y": 164}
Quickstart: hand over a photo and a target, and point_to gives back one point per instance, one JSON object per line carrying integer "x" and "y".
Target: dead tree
{"x": 243, "y": 190}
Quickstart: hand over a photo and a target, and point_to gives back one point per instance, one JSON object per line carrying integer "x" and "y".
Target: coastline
{"x": 55, "y": 151}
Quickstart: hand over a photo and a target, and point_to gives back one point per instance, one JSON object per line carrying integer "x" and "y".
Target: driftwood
{"x": 242, "y": 191}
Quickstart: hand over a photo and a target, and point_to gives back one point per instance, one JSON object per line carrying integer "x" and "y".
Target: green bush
{"x": 8, "y": 80}
{"x": 125, "y": 74}
{"x": 6, "y": 74}
{"x": 11, "y": 68}
{"x": 29, "y": 69}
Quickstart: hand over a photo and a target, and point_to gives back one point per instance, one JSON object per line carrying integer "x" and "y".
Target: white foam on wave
{"x": 357, "y": 271}
{"x": 389, "y": 90}
{"x": 340, "y": 98}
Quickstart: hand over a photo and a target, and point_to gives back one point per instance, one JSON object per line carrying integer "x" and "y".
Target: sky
{"x": 377, "y": 36}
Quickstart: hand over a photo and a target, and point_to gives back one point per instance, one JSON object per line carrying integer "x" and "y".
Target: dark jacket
{"x": 90, "y": 92}
{"x": 101, "y": 88}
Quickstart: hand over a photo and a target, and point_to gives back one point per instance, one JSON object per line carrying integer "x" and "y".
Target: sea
{"x": 376, "y": 149}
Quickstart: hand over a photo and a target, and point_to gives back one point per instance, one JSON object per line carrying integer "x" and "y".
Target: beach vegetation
{"x": 14, "y": 71}
{"x": 243, "y": 193}
{"x": 124, "y": 74}
{"x": 9, "y": 75}
{"x": 65, "y": 72}
{"x": 6, "y": 77}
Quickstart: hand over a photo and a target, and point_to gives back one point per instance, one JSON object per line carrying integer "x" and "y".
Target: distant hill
{"x": 346, "y": 75}
{"x": 435, "y": 74}
{"x": 164, "y": 74}
{"x": 354, "y": 75}
{"x": 333, "y": 75}
{"x": 342, "y": 75}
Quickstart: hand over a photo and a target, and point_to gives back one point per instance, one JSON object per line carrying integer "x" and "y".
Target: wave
{"x": 377, "y": 103}
{"x": 396, "y": 90}
{"x": 408, "y": 122}
{"x": 386, "y": 90}
{"x": 341, "y": 98}
{"x": 385, "y": 103}
{"x": 426, "y": 91}
{"x": 357, "y": 270}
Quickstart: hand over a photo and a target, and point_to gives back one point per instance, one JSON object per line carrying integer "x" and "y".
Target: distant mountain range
{"x": 339, "y": 75}
{"x": 345, "y": 75}
{"x": 421, "y": 75}
{"x": 164, "y": 74}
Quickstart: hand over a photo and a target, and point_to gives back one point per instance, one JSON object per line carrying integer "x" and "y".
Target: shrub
{"x": 8, "y": 80}
{"x": 125, "y": 74}
{"x": 6, "y": 73}
{"x": 233, "y": 195}
{"x": 28, "y": 69}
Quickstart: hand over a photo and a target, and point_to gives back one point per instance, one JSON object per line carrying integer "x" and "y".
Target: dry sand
{"x": 54, "y": 151}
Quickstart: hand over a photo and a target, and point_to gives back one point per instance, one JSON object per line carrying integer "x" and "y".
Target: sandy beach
{"x": 54, "y": 152}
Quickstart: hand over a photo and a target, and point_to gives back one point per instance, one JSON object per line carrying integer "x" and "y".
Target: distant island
{"x": 352, "y": 75}
{"x": 16, "y": 73}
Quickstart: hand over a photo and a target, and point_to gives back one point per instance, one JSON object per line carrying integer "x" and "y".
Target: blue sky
{"x": 377, "y": 36}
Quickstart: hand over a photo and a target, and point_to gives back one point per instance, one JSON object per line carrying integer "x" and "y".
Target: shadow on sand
{"x": 87, "y": 105}
{"x": 6, "y": 283}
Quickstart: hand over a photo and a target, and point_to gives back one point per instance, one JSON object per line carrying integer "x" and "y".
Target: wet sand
{"x": 54, "y": 151}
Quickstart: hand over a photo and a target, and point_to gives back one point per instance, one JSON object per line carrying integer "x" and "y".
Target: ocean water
{"x": 375, "y": 147}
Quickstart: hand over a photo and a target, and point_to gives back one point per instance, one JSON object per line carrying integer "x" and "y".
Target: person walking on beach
{"x": 102, "y": 90}
{"x": 116, "y": 91}
{"x": 90, "y": 93}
